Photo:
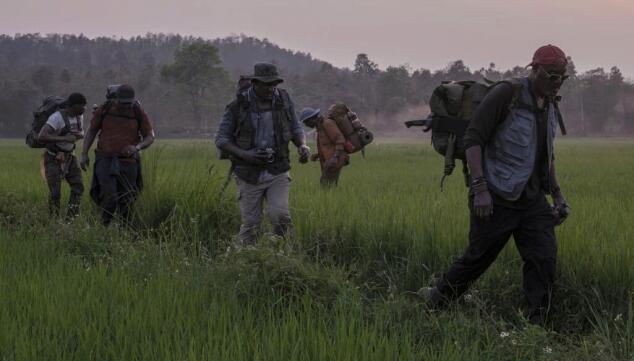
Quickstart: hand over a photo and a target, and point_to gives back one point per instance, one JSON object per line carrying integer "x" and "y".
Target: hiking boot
{"x": 432, "y": 297}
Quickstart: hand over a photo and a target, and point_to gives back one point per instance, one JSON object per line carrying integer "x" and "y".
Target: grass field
{"x": 175, "y": 289}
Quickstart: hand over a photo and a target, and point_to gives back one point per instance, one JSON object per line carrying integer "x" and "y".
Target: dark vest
{"x": 245, "y": 136}
{"x": 509, "y": 157}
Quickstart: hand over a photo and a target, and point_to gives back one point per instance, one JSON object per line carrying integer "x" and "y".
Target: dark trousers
{"x": 61, "y": 167}
{"x": 534, "y": 234}
{"x": 117, "y": 188}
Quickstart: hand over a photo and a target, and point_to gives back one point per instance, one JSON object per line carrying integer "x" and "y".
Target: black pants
{"x": 534, "y": 234}
{"x": 58, "y": 168}
{"x": 117, "y": 188}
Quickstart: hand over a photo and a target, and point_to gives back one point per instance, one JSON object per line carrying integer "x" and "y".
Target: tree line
{"x": 185, "y": 82}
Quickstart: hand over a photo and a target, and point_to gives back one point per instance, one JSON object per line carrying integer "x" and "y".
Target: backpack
{"x": 357, "y": 136}
{"x": 50, "y": 105}
{"x": 452, "y": 105}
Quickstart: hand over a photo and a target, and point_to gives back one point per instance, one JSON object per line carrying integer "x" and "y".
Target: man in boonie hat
{"x": 255, "y": 131}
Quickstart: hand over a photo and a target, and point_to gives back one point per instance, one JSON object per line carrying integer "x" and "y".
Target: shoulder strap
{"x": 241, "y": 103}
{"x": 560, "y": 118}
{"x": 66, "y": 128}
{"x": 105, "y": 108}
{"x": 516, "y": 100}
{"x": 136, "y": 107}
{"x": 138, "y": 115}
{"x": 286, "y": 101}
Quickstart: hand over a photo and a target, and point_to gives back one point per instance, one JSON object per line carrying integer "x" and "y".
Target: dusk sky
{"x": 421, "y": 33}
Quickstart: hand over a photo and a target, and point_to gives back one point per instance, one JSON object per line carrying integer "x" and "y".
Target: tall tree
{"x": 198, "y": 70}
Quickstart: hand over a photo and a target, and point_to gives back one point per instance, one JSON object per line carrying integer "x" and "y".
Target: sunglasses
{"x": 553, "y": 77}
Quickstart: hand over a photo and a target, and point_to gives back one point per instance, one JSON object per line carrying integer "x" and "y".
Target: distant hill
{"x": 32, "y": 66}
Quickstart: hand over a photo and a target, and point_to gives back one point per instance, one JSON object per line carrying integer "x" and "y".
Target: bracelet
{"x": 479, "y": 186}
{"x": 479, "y": 180}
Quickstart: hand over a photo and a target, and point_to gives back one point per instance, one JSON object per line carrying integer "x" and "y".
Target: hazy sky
{"x": 421, "y": 33}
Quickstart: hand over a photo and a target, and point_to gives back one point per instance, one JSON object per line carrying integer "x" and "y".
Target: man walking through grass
{"x": 124, "y": 129}
{"x": 509, "y": 150}
{"x": 255, "y": 131}
{"x": 62, "y": 129}
{"x": 331, "y": 142}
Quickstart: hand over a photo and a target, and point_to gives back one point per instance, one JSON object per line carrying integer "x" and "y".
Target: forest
{"x": 185, "y": 82}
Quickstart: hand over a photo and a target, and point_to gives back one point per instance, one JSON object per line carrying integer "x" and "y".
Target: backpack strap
{"x": 560, "y": 118}
{"x": 105, "y": 108}
{"x": 286, "y": 101}
{"x": 241, "y": 104}
{"x": 136, "y": 108}
{"x": 66, "y": 128}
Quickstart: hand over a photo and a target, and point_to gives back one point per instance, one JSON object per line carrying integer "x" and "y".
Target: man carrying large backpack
{"x": 124, "y": 129}
{"x": 332, "y": 146}
{"x": 255, "y": 131}
{"x": 62, "y": 129}
{"x": 510, "y": 154}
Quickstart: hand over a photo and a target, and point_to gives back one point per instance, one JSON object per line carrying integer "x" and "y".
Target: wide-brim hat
{"x": 308, "y": 113}
{"x": 266, "y": 73}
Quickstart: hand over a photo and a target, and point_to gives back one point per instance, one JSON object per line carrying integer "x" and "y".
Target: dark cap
{"x": 549, "y": 55}
{"x": 125, "y": 94}
{"x": 266, "y": 73}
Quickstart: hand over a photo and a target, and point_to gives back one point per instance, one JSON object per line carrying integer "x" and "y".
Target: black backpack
{"x": 50, "y": 105}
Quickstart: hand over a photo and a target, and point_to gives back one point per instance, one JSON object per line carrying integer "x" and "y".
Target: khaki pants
{"x": 251, "y": 198}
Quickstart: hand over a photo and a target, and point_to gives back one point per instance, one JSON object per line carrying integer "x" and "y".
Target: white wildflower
{"x": 468, "y": 297}
{"x": 548, "y": 349}
{"x": 618, "y": 317}
{"x": 504, "y": 334}
{"x": 514, "y": 342}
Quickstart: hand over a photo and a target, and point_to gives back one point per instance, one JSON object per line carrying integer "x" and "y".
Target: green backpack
{"x": 452, "y": 105}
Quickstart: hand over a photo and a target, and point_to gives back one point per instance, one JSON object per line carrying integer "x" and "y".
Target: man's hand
{"x": 69, "y": 138}
{"x": 253, "y": 156}
{"x": 78, "y": 135}
{"x": 482, "y": 201}
{"x": 84, "y": 162}
{"x": 129, "y": 150}
{"x": 304, "y": 153}
{"x": 561, "y": 209}
{"x": 483, "y": 204}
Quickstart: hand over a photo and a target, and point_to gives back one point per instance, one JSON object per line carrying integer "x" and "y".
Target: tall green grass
{"x": 174, "y": 287}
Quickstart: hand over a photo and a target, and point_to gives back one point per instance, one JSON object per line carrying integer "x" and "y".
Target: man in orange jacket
{"x": 330, "y": 143}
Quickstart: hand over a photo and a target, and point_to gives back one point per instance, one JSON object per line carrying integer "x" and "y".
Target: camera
{"x": 270, "y": 154}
